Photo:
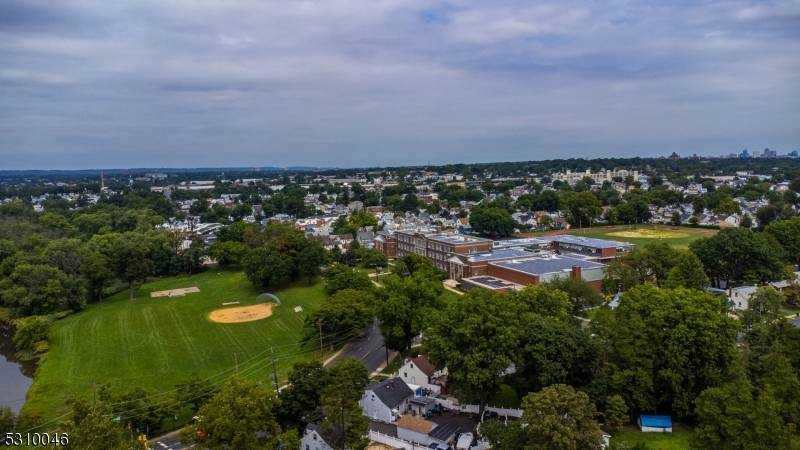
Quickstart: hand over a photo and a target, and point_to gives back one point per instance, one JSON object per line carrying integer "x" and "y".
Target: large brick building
{"x": 507, "y": 264}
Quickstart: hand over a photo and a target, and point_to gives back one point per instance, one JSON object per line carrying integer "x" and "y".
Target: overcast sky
{"x": 160, "y": 83}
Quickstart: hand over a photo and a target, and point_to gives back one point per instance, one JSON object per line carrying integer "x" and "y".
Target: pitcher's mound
{"x": 242, "y": 313}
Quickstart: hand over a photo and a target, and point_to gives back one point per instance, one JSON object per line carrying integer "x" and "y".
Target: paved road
{"x": 168, "y": 443}
{"x": 795, "y": 322}
{"x": 369, "y": 349}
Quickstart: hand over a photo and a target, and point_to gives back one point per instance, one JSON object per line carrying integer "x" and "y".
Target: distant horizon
{"x": 297, "y": 168}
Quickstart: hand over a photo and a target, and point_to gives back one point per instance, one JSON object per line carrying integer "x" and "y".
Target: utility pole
{"x": 274, "y": 374}
{"x": 319, "y": 324}
{"x": 236, "y": 361}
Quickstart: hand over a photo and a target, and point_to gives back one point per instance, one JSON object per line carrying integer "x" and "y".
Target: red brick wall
{"x": 512, "y": 275}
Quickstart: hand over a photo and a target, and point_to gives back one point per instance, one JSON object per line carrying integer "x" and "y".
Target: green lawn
{"x": 688, "y": 235}
{"x": 506, "y": 398}
{"x": 677, "y": 440}
{"x": 394, "y": 365}
{"x": 158, "y": 342}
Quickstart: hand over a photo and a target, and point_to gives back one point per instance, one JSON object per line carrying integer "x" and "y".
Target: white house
{"x": 414, "y": 429}
{"x": 421, "y": 372}
{"x": 740, "y": 296}
{"x": 387, "y": 400}
{"x": 425, "y": 432}
{"x": 313, "y": 440}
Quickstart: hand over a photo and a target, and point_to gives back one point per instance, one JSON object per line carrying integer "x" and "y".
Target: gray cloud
{"x": 350, "y": 83}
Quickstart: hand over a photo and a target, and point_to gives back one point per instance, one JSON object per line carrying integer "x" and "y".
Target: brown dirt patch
{"x": 174, "y": 292}
{"x": 242, "y": 313}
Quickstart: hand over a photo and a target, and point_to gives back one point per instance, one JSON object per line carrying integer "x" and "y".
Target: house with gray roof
{"x": 387, "y": 400}
{"x": 313, "y": 439}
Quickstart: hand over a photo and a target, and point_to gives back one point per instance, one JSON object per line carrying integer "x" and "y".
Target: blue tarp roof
{"x": 655, "y": 421}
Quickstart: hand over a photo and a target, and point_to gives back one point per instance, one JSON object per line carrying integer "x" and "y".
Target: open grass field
{"x": 680, "y": 237}
{"x": 677, "y": 440}
{"x": 158, "y": 342}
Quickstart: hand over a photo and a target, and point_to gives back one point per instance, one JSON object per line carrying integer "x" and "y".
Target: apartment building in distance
{"x": 598, "y": 177}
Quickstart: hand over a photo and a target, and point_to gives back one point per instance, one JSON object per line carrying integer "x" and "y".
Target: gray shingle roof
{"x": 392, "y": 396}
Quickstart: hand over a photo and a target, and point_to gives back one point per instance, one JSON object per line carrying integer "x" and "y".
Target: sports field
{"x": 641, "y": 235}
{"x": 158, "y": 342}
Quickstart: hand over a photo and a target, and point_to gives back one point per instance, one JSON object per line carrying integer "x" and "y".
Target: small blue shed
{"x": 655, "y": 424}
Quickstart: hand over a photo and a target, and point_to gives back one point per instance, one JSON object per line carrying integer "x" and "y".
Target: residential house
{"x": 387, "y": 400}
{"x": 414, "y": 429}
{"x": 313, "y": 439}
{"x": 740, "y": 296}
{"x": 421, "y": 372}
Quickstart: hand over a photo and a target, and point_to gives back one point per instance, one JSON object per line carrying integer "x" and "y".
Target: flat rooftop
{"x": 589, "y": 242}
{"x": 443, "y": 237}
{"x": 492, "y": 282}
{"x": 522, "y": 242}
{"x": 497, "y": 254}
{"x": 546, "y": 265}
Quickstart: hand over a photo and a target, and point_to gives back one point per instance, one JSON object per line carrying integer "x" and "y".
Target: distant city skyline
{"x": 94, "y": 85}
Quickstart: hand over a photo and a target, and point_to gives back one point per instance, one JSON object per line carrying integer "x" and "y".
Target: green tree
{"x": 581, "y": 294}
{"x": 553, "y": 353}
{"x": 412, "y": 264}
{"x": 341, "y": 277}
{"x": 504, "y": 436}
{"x": 30, "y": 331}
{"x": 492, "y": 221}
{"x": 667, "y": 346}
{"x": 541, "y": 303}
{"x": 764, "y": 306}
{"x": 730, "y": 418}
{"x": 33, "y": 289}
{"x": 688, "y": 273}
{"x": 191, "y": 258}
{"x": 8, "y": 420}
{"x": 97, "y": 272}
{"x": 301, "y": 399}
{"x": 404, "y": 306}
{"x": 311, "y": 259}
{"x": 787, "y": 233}
{"x": 559, "y": 418}
{"x": 583, "y": 208}
{"x": 616, "y": 414}
{"x": 344, "y": 422}
{"x": 233, "y": 416}
{"x": 93, "y": 428}
{"x": 345, "y": 313}
{"x": 150, "y": 412}
{"x": 265, "y": 265}
{"x": 131, "y": 258}
{"x": 373, "y": 257}
{"x": 733, "y": 252}
{"x": 476, "y": 337}
{"x": 195, "y": 392}
{"x": 227, "y": 252}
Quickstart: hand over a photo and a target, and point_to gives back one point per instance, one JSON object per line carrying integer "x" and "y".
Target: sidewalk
{"x": 450, "y": 285}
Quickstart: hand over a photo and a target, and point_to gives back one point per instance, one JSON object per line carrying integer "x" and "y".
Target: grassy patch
{"x": 506, "y": 398}
{"x": 158, "y": 342}
{"x": 677, "y": 440}
{"x": 682, "y": 237}
{"x": 394, "y": 365}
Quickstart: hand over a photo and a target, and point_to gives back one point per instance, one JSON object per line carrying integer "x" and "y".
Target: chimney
{"x": 438, "y": 229}
{"x": 391, "y": 384}
{"x": 576, "y": 272}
